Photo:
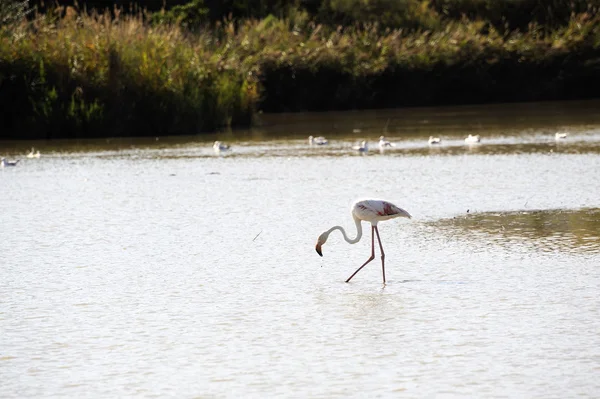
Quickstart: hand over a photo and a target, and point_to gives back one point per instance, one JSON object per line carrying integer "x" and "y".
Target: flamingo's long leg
{"x": 372, "y": 253}
{"x": 382, "y": 253}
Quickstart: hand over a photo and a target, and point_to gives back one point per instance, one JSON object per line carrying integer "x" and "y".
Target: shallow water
{"x": 157, "y": 268}
{"x": 553, "y": 230}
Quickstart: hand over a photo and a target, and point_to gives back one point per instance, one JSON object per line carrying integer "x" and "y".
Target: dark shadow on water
{"x": 562, "y": 230}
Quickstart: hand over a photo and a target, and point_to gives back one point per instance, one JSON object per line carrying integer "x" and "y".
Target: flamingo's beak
{"x": 318, "y": 249}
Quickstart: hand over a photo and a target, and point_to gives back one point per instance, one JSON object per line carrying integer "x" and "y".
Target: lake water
{"x": 158, "y": 268}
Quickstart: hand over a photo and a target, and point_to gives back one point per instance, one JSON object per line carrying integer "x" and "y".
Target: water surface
{"x": 157, "y": 268}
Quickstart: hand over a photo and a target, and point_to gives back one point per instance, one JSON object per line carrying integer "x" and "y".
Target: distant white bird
{"x": 560, "y": 136}
{"x": 362, "y": 147}
{"x": 33, "y": 154}
{"x": 383, "y": 143}
{"x": 434, "y": 140}
{"x": 320, "y": 140}
{"x": 472, "y": 139}
{"x": 4, "y": 163}
{"x": 218, "y": 146}
{"x": 372, "y": 211}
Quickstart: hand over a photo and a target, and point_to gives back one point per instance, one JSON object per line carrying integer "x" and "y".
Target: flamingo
{"x": 472, "y": 139}
{"x": 33, "y": 154}
{"x": 218, "y": 146}
{"x": 320, "y": 140}
{"x": 372, "y": 211}
{"x": 384, "y": 143}
{"x": 434, "y": 140}
{"x": 6, "y": 163}
{"x": 560, "y": 136}
{"x": 362, "y": 147}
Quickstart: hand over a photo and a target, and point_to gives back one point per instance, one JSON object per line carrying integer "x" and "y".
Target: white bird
{"x": 434, "y": 140}
{"x": 560, "y": 136}
{"x": 218, "y": 146}
{"x": 33, "y": 154}
{"x": 384, "y": 143}
{"x": 362, "y": 147}
{"x": 4, "y": 163}
{"x": 472, "y": 139}
{"x": 320, "y": 140}
{"x": 372, "y": 211}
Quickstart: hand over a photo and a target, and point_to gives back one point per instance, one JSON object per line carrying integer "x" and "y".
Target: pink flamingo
{"x": 373, "y": 211}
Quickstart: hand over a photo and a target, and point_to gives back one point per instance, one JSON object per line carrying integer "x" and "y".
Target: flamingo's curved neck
{"x": 349, "y": 240}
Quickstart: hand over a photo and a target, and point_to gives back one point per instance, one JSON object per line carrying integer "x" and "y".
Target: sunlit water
{"x": 157, "y": 268}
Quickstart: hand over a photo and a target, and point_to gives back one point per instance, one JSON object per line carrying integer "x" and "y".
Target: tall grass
{"x": 93, "y": 75}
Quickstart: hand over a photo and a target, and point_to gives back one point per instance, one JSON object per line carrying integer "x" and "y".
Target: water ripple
{"x": 545, "y": 230}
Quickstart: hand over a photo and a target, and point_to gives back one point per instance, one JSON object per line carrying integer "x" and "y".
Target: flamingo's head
{"x": 320, "y": 241}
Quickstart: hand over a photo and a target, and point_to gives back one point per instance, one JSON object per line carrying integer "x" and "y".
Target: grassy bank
{"x": 91, "y": 75}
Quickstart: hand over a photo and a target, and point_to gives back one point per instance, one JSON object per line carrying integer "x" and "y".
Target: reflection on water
{"x": 424, "y": 121}
{"x": 504, "y": 129}
{"x": 546, "y": 230}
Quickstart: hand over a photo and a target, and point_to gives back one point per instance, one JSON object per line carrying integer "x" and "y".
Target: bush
{"x": 189, "y": 16}
{"x": 393, "y": 14}
{"x": 508, "y": 15}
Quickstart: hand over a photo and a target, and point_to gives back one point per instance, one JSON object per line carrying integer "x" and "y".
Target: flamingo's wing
{"x": 373, "y": 210}
{"x": 389, "y": 209}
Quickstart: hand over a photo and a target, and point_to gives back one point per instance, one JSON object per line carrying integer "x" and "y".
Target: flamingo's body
{"x": 218, "y": 146}
{"x": 33, "y": 154}
{"x": 320, "y": 140}
{"x": 384, "y": 143}
{"x": 4, "y": 163}
{"x": 362, "y": 147}
{"x": 372, "y": 211}
{"x": 472, "y": 139}
{"x": 434, "y": 140}
{"x": 560, "y": 136}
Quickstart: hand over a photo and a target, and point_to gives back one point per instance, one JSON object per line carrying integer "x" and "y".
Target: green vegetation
{"x": 193, "y": 69}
